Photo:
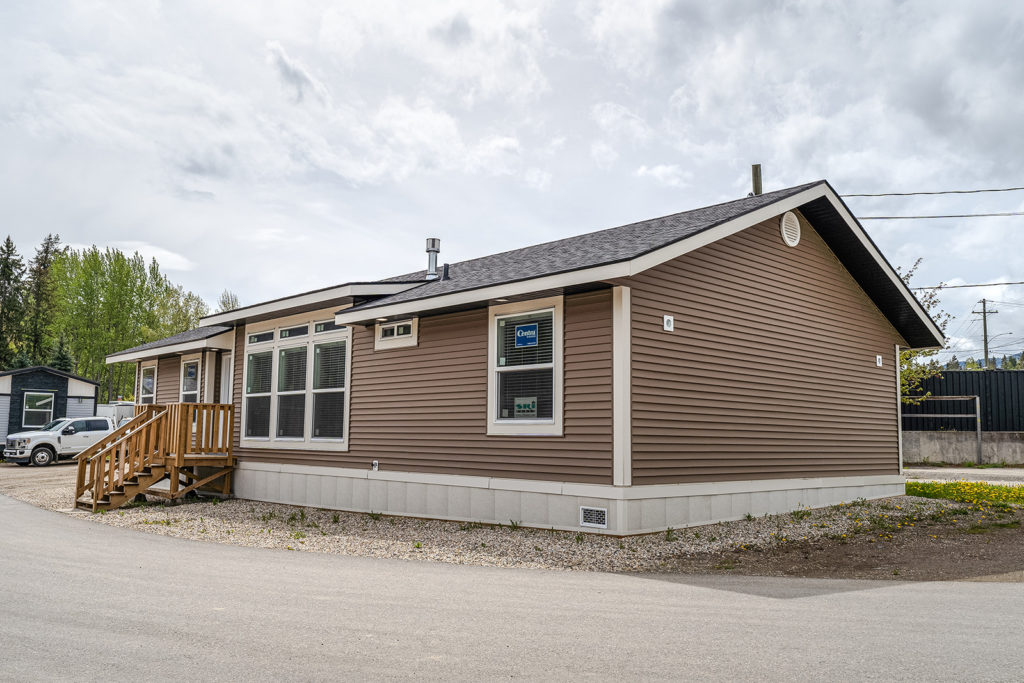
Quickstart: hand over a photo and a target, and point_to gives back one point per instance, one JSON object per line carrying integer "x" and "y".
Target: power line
{"x": 911, "y": 194}
{"x": 952, "y": 215}
{"x": 990, "y": 284}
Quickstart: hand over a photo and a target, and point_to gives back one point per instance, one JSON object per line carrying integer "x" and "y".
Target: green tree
{"x": 108, "y": 301}
{"x": 953, "y": 363}
{"x": 228, "y": 301}
{"x": 21, "y": 360}
{"x": 12, "y": 301}
{"x": 1004, "y": 363}
{"x": 917, "y": 365}
{"x": 971, "y": 364}
{"x": 39, "y": 312}
{"x": 62, "y": 358}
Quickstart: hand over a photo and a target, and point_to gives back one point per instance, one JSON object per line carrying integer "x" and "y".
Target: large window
{"x": 526, "y": 368}
{"x": 296, "y": 388}
{"x": 38, "y": 409}
{"x": 147, "y": 384}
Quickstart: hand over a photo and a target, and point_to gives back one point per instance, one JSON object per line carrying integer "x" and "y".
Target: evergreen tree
{"x": 12, "y": 301}
{"x": 62, "y": 358}
{"x": 953, "y": 363}
{"x": 39, "y": 321}
{"x": 21, "y": 360}
{"x": 228, "y": 301}
{"x": 1004, "y": 363}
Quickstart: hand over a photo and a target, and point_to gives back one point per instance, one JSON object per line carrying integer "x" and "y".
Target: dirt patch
{"x": 981, "y": 545}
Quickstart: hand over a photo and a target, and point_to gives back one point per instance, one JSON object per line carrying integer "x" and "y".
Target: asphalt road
{"x": 83, "y": 601}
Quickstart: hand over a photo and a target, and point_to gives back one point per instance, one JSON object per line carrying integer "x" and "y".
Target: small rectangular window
{"x": 396, "y": 335}
{"x": 147, "y": 385}
{"x": 326, "y": 326}
{"x": 298, "y": 331}
{"x": 291, "y": 369}
{"x": 261, "y": 337}
{"x": 190, "y": 381}
{"x": 257, "y": 379}
{"x": 97, "y": 425}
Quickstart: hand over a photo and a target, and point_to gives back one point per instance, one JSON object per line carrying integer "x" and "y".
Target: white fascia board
{"x": 223, "y": 341}
{"x": 321, "y": 297}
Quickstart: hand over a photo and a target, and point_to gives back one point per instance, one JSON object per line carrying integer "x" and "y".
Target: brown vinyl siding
{"x": 168, "y": 380}
{"x": 424, "y": 409}
{"x": 770, "y": 372}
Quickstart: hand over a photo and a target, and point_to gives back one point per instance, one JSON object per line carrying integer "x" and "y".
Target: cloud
{"x": 620, "y": 123}
{"x": 538, "y": 179}
{"x": 294, "y": 74}
{"x": 603, "y": 154}
{"x": 668, "y": 175}
{"x": 455, "y": 32}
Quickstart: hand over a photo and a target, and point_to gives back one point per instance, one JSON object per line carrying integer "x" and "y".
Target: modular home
{"x": 736, "y": 359}
{"x": 32, "y": 397}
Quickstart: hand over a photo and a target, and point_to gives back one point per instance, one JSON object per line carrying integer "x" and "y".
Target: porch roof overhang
{"x": 352, "y": 293}
{"x": 208, "y": 338}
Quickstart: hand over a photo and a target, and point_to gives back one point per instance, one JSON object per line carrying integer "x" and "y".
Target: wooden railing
{"x": 158, "y": 435}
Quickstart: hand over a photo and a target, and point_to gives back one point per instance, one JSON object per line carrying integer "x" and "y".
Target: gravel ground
{"x": 270, "y": 525}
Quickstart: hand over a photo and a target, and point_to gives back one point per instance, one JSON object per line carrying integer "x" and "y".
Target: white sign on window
{"x": 526, "y": 407}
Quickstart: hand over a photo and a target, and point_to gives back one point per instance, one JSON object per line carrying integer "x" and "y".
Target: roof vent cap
{"x": 433, "y": 247}
{"x": 789, "y": 225}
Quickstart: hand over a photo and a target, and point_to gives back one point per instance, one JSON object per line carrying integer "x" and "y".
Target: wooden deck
{"x": 186, "y": 444}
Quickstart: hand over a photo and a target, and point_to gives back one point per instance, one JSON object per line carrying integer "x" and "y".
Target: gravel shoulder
{"x": 839, "y": 541}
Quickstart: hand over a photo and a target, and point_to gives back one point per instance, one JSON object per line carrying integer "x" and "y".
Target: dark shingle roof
{"x": 198, "y": 334}
{"x": 47, "y": 368}
{"x": 583, "y": 251}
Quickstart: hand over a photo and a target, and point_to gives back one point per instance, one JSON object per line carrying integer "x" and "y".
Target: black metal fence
{"x": 1001, "y": 394}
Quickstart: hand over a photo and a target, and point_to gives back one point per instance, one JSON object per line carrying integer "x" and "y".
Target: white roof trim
{"x": 642, "y": 263}
{"x": 321, "y": 297}
{"x": 224, "y": 340}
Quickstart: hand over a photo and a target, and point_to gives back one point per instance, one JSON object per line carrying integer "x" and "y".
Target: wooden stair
{"x": 125, "y": 492}
{"x": 189, "y": 443}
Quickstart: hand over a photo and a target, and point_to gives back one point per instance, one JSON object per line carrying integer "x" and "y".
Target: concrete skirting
{"x": 956, "y": 447}
{"x": 631, "y": 510}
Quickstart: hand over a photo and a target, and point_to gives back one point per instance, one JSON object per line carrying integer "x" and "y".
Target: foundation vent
{"x": 790, "y": 227}
{"x": 595, "y": 517}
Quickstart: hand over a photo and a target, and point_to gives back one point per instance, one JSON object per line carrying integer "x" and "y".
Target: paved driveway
{"x": 83, "y": 601}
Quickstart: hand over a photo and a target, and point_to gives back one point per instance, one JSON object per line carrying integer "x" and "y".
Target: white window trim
{"x": 196, "y": 358}
{"x": 381, "y": 344}
{"x": 156, "y": 371}
{"x": 552, "y": 427}
{"x": 24, "y": 406}
{"x": 308, "y": 443}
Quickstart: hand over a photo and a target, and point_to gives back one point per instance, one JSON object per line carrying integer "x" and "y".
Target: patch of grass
{"x": 335, "y": 518}
{"x": 725, "y": 565}
{"x": 469, "y": 526}
{"x": 749, "y": 517}
{"x": 298, "y": 534}
{"x": 417, "y": 544}
{"x": 967, "y": 491}
{"x": 375, "y": 516}
{"x": 670, "y": 534}
{"x": 266, "y": 517}
{"x": 513, "y": 525}
{"x": 800, "y": 514}
{"x": 580, "y": 537}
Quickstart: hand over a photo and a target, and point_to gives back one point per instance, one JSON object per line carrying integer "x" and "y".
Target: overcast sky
{"x": 270, "y": 148}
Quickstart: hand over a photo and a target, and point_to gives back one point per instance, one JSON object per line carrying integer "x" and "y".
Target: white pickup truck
{"x": 63, "y": 438}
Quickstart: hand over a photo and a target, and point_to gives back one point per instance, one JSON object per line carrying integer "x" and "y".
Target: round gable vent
{"x": 790, "y": 227}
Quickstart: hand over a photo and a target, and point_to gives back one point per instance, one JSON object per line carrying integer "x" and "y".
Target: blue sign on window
{"x": 526, "y": 335}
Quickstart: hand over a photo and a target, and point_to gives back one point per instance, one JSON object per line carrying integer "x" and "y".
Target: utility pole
{"x": 984, "y": 313}
{"x": 755, "y": 177}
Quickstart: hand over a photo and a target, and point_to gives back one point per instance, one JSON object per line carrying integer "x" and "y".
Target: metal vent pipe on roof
{"x": 433, "y": 249}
